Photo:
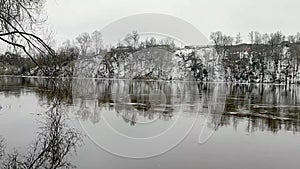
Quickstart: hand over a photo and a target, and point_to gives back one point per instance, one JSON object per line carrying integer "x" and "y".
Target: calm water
{"x": 96, "y": 123}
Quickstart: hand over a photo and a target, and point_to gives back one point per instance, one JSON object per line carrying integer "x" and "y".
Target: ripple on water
{"x": 4, "y": 108}
{"x": 275, "y": 106}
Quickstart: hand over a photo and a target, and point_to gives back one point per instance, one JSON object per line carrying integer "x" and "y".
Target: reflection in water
{"x": 213, "y": 105}
{"x": 262, "y": 107}
{"x": 1, "y": 148}
{"x": 134, "y": 101}
{"x": 127, "y": 104}
{"x": 55, "y": 140}
{"x": 146, "y": 101}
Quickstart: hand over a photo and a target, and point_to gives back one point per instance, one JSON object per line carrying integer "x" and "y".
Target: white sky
{"x": 68, "y": 18}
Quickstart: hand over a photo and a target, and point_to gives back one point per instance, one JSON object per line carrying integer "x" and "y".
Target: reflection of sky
{"x": 17, "y": 119}
{"x": 68, "y": 18}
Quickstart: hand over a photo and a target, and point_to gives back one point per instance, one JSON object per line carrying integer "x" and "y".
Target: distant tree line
{"x": 268, "y": 57}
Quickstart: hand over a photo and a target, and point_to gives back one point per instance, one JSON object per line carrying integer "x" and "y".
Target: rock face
{"x": 148, "y": 63}
{"x": 240, "y": 64}
{"x": 88, "y": 67}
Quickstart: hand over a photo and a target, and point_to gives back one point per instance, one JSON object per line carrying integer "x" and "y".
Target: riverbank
{"x": 244, "y": 63}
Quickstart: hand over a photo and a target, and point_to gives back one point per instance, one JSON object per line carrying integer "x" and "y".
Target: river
{"x": 114, "y": 123}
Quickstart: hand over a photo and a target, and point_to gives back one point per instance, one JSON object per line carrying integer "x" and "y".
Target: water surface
{"x": 210, "y": 125}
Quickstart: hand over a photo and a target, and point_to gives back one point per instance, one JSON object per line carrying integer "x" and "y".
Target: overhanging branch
{"x": 26, "y": 52}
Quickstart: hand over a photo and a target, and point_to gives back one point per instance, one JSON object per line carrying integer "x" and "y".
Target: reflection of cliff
{"x": 261, "y": 107}
{"x": 213, "y": 101}
{"x": 118, "y": 96}
{"x": 133, "y": 100}
{"x": 149, "y": 100}
{"x": 145, "y": 63}
{"x": 266, "y": 107}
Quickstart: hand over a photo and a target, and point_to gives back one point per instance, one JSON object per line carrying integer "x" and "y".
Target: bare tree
{"x": 265, "y": 38}
{"x": 132, "y": 39}
{"x": 135, "y": 38}
{"x": 152, "y": 41}
{"x": 238, "y": 39}
{"x": 168, "y": 41}
{"x": 56, "y": 141}
{"x": 221, "y": 44}
{"x": 220, "y": 39}
{"x": 67, "y": 53}
{"x": 291, "y": 38}
{"x": 252, "y": 37}
{"x": 228, "y": 40}
{"x": 97, "y": 41}
{"x": 149, "y": 42}
{"x": 276, "y": 38}
{"x": 298, "y": 37}
{"x": 128, "y": 39}
{"x": 294, "y": 38}
{"x": 257, "y": 38}
{"x": 84, "y": 41}
{"x": 216, "y": 38}
{"x": 18, "y": 20}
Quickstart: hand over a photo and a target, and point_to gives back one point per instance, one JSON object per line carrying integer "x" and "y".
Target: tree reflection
{"x": 55, "y": 141}
{"x": 213, "y": 103}
{"x": 262, "y": 107}
{"x": 1, "y": 148}
{"x": 148, "y": 100}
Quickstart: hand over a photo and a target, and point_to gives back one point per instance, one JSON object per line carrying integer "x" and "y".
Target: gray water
{"x": 105, "y": 123}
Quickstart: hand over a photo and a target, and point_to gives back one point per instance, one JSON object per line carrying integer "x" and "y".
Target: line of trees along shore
{"x": 265, "y": 58}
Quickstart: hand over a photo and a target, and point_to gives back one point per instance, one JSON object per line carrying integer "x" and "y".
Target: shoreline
{"x": 148, "y": 80}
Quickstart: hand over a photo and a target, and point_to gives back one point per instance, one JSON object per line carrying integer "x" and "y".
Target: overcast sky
{"x": 68, "y": 18}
